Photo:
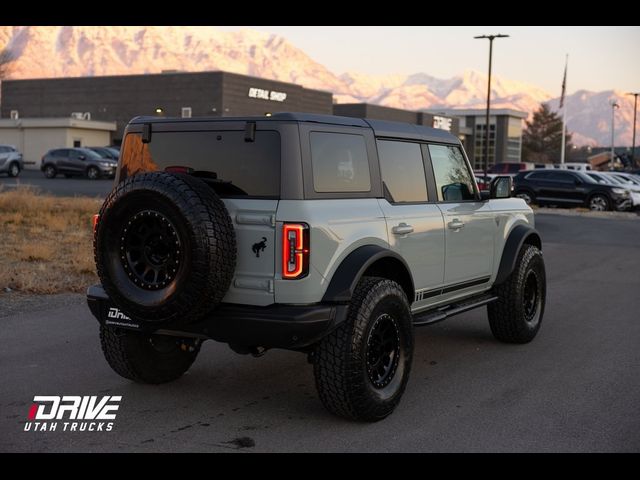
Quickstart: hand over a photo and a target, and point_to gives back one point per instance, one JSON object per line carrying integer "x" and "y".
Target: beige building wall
{"x": 88, "y": 138}
{"x": 34, "y": 137}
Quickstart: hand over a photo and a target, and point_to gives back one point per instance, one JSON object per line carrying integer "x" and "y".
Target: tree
{"x": 542, "y": 137}
{"x": 6, "y": 57}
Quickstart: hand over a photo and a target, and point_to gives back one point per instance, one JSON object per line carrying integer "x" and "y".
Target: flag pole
{"x": 564, "y": 111}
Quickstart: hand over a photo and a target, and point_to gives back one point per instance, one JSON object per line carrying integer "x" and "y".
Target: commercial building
{"x": 119, "y": 98}
{"x": 378, "y": 112}
{"x": 505, "y": 134}
{"x": 177, "y": 94}
{"x": 35, "y": 136}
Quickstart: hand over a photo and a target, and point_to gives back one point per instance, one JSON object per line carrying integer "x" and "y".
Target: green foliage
{"x": 542, "y": 137}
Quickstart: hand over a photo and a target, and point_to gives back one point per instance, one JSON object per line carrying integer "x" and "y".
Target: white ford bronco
{"x": 326, "y": 235}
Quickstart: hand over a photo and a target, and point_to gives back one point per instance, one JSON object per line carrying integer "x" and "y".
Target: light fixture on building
{"x": 268, "y": 114}
{"x": 159, "y": 110}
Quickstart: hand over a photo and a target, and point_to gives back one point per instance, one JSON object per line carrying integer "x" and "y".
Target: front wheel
{"x": 93, "y": 173}
{"x": 599, "y": 203}
{"x": 362, "y": 367}
{"x": 14, "y": 170}
{"x": 517, "y": 314}
{"x": 147, "y": 358}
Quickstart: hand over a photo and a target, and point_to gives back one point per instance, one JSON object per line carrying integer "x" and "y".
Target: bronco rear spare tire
{"x": 165, "y": 247}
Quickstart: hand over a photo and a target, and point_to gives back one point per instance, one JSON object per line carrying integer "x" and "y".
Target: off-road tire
{"x": 205, "y": 256}
{"x": 132, "y": 355}
{"x": 341, "y": 359}
{"x": 512, "y": 317}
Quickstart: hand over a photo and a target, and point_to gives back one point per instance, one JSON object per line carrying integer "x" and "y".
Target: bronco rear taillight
{"x": 96, "y": 218}
{"x": 295, "y": 250}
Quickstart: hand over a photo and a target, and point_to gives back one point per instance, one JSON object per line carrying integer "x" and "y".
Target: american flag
{"x": 564, "y": 84}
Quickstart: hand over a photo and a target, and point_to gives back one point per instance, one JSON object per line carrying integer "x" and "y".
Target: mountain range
{"x": 49, "y": 51}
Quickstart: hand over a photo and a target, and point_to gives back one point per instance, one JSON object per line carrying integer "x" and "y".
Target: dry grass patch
{"x": 46, "y": 242}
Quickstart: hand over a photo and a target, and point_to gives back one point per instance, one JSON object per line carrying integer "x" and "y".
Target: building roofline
{"x": 57, "y": 122}
{"x": 463, "y": 112}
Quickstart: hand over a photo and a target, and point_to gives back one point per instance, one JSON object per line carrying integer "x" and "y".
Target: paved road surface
{"x": 575, "y": 388}
{"x": 60, "y": 186}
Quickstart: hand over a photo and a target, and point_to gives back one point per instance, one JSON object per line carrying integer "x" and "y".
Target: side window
{"x": 74, "y": 154}
{"x": 454, "y": 181}
{"x": 4, "y": 150}
{"x": 561, "y": 177}
{"x": 402, "y": 171}
{"x": 339, "y": 162}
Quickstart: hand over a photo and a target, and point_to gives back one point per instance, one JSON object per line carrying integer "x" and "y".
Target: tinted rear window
{"x": 232, "y": 166}
{"x": 340, "y": 162}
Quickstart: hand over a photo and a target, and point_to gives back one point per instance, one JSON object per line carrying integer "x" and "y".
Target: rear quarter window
{"x": 339, "y": 162}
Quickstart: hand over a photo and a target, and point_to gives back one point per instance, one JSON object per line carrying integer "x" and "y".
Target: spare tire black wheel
{"x": 165, "y": 247}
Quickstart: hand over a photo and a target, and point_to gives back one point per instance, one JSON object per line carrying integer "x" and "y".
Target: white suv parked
{"x": 326, "y": 235}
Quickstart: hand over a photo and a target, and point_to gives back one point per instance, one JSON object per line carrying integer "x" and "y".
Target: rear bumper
{"x": 275, "y": 326}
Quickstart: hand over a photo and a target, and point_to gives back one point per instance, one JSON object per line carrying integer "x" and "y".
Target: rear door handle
{"x": 455, "y": 224}
{"x": 402, "y": 229}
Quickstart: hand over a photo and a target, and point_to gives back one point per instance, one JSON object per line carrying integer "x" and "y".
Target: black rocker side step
{"x": 442, "y": 313}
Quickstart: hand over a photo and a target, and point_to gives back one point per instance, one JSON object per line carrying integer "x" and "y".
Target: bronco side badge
{"x": 259, "y": 246}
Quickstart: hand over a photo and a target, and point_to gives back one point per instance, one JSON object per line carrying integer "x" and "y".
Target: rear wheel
{"x": 14, "y": 170}
{"x": 362, "y": 367}
{"x": 527, "y": 196}
{"x": 599, "y": 203}
{"x": 50, "y": 171}
{"x": 147, "y": 358}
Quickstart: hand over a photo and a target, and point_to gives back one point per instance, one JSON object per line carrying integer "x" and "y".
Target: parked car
{"x": 572, "y": 188}
{"x": 106, "y": 152}
{"x": 580, "y": 166}
{"x": 508, "y": 168}
{"x": 77, "y": 162}
{"x": 613, "y": 179}
{"x": 10, "y": 160}
{"x": 484, "y": 182}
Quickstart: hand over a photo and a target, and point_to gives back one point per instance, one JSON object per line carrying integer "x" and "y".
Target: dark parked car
{"x": 572, "y": 188}
{"x": 509, "y": 168}
{"x": 107, "y": 152}
{"x": 77, "y": 161}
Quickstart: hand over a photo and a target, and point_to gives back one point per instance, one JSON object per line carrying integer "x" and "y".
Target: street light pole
{"x": 486, "y": 127}
{"x": 633, "y": 142}
{"x": 614, "y": 105}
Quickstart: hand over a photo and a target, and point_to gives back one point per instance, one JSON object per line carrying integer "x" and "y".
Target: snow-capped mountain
{"x": 85, "y": 51}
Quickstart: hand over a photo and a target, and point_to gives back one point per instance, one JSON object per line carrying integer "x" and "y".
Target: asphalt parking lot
{"x": 60, "y": 186}
{"x": 575, "y": 388}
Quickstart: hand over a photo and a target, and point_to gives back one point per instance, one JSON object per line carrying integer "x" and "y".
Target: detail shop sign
{"x": 271, "y": 95}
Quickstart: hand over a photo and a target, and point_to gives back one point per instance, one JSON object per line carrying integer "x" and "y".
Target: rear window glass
{"x": 340, "y": 162}
{"x": 232, "y": 166}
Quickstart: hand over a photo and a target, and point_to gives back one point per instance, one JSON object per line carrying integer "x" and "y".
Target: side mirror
{"x": 82, "y": 157}
{"x": 577, "y": 181}
{"x": 501, "y": 187}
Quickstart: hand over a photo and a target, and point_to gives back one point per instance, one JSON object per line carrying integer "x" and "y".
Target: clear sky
{"x": 600, "y": 58}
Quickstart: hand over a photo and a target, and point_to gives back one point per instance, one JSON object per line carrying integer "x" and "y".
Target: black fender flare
{"x": 518, "y": 236}
{"x": 348, "y": 274}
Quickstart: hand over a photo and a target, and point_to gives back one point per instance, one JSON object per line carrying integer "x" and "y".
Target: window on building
{"x": 402, "y": 171}
{"x": 339, "y": 162}
{"x": 454, "y": 180}
{"x": 186, "y": 112}
{"x": 514, "y": 140}
{"x": 479, "y": 142}
{"x": 77, "y": 143}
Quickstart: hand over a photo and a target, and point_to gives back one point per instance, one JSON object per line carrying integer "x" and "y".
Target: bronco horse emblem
{"x": 259, "y": 246}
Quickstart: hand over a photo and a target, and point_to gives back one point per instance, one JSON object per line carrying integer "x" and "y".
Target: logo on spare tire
{"x": 259, "y": 246}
